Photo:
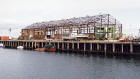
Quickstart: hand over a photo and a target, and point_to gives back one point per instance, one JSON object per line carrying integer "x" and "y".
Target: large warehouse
{"x": 102, "y": 26}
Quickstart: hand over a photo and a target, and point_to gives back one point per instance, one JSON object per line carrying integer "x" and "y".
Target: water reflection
{"x": 23, "y": 64}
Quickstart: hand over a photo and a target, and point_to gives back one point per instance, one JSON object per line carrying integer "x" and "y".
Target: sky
{"x": 17, "y": 14}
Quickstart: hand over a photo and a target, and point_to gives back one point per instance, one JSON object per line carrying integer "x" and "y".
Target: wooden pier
{"x": 80, "y": 46}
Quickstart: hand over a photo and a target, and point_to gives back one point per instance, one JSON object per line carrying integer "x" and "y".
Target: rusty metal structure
{"x": 102, "y": 26}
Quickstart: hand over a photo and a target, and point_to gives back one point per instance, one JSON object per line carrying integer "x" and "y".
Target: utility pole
{"x": 139, "y": 33}
{"x": 10, "y": 33}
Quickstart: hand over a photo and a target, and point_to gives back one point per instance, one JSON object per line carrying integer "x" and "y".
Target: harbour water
{"x": 23, "y": 64}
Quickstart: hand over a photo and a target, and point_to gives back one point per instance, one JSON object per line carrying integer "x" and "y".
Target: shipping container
{"x": 4, "y": 38}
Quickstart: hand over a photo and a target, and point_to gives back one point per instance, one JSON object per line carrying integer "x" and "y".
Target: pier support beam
{"x": 32, "y": 45}
{"x": 131, "y": 48}
{"x": 78, "y": 46}
{"x": 35, "y": 45}
{"x": 18, "y": 44}
{"x": 58, "y": 45}
{"x": 62, "y": 45}
{"x": 122, "y": 48}
{"x": 113, "y": 48}
{"x": 67, "y": 46}
{"x": 72, "y": 46}
{"x": 11, "y": 44}
{"x": 42, "y": 44}
{"x": 97, "y": 46}
{"x": 105, "y": 48}
{"x": 29, "y": 46}
{"x": 91, "y": 47}
{"x": 84, "y": 46}
{"x": 26, "y": 45}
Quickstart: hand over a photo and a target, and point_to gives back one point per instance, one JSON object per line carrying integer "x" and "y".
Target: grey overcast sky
{"x": 17, "y": 14}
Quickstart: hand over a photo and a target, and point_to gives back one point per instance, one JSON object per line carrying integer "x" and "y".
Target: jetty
{"x": 101, "y": 47}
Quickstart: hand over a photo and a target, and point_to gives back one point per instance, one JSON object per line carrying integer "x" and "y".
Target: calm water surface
{"x": 21, "y": 64}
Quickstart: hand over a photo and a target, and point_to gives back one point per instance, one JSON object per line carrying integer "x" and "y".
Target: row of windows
{"x": 68, "y": 31}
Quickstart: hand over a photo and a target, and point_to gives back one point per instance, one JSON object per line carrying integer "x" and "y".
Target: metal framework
{"x": 98, "y": 24}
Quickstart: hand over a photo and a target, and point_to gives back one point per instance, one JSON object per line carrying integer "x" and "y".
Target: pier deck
{"x": 104, "y": 47}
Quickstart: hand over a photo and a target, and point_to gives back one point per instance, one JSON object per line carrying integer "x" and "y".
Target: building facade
{"x": 102, "y": 26}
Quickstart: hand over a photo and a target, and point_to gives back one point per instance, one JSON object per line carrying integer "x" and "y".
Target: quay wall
{"x": 79, "y": 46}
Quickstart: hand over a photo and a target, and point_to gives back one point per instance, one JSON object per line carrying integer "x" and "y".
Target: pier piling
{"x": 80, "y": 46}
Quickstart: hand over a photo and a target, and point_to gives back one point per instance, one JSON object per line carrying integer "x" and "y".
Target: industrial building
{"x": 103, "y": 26}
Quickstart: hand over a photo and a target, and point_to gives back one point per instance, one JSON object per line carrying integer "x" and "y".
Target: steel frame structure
{"x": 81, "y": 25}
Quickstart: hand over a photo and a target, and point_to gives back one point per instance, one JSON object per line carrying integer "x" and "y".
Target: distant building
{"x": 95, "y": 27}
